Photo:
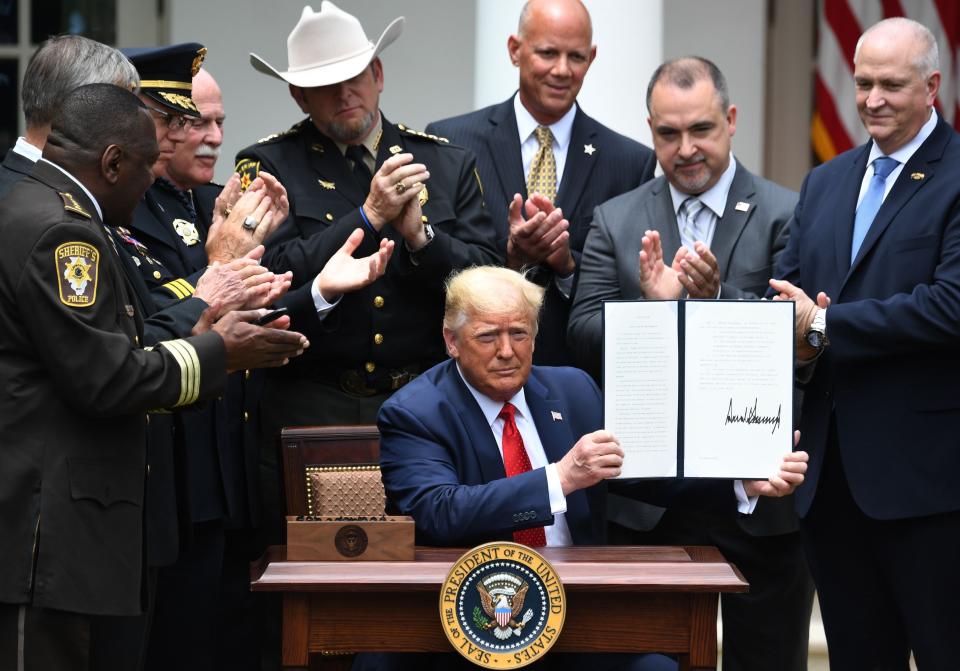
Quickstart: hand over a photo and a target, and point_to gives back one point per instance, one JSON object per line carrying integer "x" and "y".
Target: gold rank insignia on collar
{"x": 78, "y": 265}
{"x": 917, "y": 176}
{"x": 330, "y": 186}
{"x": 395, "y": 149}
{"x": 187, "y": 231}
{"x": 70, "y": 204}
{"x": 376, "y": 143}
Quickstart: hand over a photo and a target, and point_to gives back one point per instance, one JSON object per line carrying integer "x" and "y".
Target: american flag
{"x": 836, "y": 126}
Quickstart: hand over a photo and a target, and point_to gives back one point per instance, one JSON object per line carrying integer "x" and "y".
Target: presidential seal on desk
{"x": 502, "y": 605}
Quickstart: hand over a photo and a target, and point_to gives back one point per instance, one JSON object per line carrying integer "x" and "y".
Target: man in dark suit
{"x": 487, "y": 446}
{"x": 722, "y": 228}
{"x": 553, "y": 50}
{"x": 877, "y": 230}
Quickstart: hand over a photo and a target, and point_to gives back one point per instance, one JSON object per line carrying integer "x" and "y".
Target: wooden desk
{"x": 620, "y": 599}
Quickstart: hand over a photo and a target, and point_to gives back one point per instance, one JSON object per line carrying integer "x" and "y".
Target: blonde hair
{"x": 490, "y": 290}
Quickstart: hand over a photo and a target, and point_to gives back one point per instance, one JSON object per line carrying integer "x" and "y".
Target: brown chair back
{"x": 332, "y": 470}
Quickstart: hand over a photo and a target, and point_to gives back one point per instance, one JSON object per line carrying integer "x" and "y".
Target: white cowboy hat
{"x": 328, "y": 47}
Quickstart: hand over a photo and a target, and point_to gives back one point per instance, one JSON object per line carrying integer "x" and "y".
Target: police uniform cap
{"x": 166, "y": 74}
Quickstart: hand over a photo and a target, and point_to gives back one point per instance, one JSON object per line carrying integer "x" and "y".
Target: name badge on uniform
{"x": 187, "y": 231}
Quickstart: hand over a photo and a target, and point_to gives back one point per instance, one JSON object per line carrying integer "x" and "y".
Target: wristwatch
{"x": 816, "y": 335}
{"x": 414, "y": 253}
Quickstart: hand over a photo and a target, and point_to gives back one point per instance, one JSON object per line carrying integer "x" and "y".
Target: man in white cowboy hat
{"x": 347, "y": 166}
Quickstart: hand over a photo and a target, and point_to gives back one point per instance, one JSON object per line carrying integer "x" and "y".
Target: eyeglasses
{"x": 172, "y": 121}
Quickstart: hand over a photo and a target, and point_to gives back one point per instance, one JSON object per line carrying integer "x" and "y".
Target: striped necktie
{"x": 690, "y": 211}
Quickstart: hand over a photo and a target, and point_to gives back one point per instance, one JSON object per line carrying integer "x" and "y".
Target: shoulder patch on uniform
{"x": 420, "y": 133}
{"x": 70, "y": 204}
{"x": 248, "y": 169}
{"x": 78, "y": 269}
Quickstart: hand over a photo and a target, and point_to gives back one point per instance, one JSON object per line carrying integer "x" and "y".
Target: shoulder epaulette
{"x": 293, "y": 130}
{"x": 420, "y": 133}
{"x": 70, "y": 204}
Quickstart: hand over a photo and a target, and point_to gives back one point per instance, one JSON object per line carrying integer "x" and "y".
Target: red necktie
{"x": 516, "y": 461}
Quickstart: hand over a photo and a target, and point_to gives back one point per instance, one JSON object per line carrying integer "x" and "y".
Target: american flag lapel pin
{"x": 557, "y": 417}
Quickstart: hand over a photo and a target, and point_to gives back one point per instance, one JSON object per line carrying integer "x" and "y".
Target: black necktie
{"x": 356, "y": 153}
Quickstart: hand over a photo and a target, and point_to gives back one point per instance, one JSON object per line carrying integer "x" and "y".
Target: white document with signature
{"x": 699, "y": 388}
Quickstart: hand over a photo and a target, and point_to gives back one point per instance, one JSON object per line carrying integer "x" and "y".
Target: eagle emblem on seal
{"x": 502, "y": 596}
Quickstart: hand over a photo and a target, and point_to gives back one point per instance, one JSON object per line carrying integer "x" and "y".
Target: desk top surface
{"x": 582, "y": 568}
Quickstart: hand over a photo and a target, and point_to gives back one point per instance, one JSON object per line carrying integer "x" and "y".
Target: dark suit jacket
{"x": 617, "y": 165}
{"x": 889, "y": 376}
{"x": 441, "y": 465}
{"x": 746, "y": 244}
{"x": 73, "y": 408}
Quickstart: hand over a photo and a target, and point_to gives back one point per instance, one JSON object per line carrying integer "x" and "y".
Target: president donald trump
{"x": 486, "y": 446}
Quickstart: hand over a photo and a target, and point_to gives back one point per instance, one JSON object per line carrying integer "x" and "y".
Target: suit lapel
{"x": 734, "y": 219}
{"x": 557, "y": 439}
{"x": 922, "y": 162}
{"x": 579, "y": 164}
{"x": 846, "y": 190}
{"x": 663, "y": 219}
{"x": 481, "y": 437}
{"x": 503, "y": 143}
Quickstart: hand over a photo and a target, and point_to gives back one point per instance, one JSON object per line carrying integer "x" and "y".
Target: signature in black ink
{"x": 750, "y": 416}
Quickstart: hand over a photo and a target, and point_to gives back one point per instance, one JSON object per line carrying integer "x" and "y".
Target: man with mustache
{"x": 204, "y": 612}
{"x": 722, "y": 228}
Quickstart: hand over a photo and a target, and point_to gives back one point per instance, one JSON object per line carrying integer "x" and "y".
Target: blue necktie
{"x": 872, "y": 200}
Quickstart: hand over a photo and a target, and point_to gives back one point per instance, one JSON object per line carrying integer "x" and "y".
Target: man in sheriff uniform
{"x": 345, "y": 167}
{"x": 73, "y": 421}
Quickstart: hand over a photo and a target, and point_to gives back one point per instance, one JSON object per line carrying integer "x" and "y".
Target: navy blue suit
{"x": 441, "y": 465}
{"x": 616, "y": 165}
{"x": 881, "y": 413}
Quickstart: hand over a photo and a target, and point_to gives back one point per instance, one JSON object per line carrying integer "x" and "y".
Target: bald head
{"x": 897, "y": 80}
{"x": 553, "y": 49}
{"x": 537, "y": 11}
{"x": 905, "y": 35}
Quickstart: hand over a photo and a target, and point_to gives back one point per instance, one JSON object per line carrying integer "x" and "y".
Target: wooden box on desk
{"x": 327, "y": 538}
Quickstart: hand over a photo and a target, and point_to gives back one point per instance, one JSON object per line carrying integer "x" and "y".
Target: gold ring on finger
{"x": 400, "y": 187}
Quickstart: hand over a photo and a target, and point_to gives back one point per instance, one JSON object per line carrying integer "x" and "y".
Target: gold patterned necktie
{"x": 543, "y": 170}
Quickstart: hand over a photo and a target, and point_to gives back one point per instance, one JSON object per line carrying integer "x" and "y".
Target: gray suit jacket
{"x": 746, "y": 244}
